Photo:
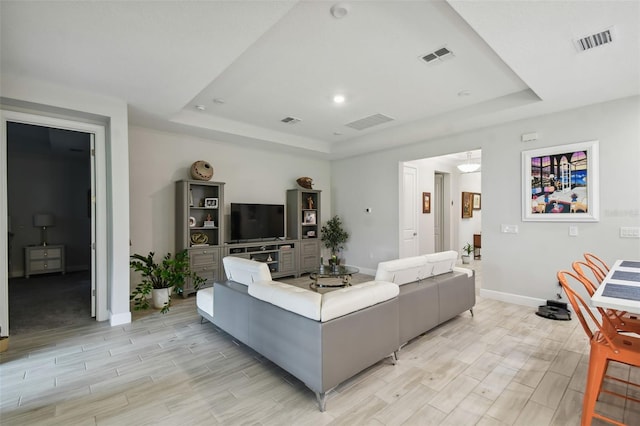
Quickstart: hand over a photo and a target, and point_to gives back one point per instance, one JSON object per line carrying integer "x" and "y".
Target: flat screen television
{"x": 256, "y": 221}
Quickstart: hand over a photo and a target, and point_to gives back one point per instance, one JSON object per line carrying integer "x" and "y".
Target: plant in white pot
{"x": 160, "y": 279}
{"x": 467, "y": 249}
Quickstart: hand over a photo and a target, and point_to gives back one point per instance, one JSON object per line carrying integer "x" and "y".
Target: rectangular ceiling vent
{"x": 291, "y": 120}
{"x": 437, "y": 55}
{"x": 594, "y": 40}
{"x": 370, "y": 121}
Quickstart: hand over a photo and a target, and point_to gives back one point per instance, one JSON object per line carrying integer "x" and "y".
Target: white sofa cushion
{"x": 245, "y": 271}
{"x": 442, "y": 262}
{"x": 295, "y": 299}
{"x": 403, "y": 271}
{"x": 204, "y": 300}
{"x": 467, "y": 271}
{"x": 350, "y": 299}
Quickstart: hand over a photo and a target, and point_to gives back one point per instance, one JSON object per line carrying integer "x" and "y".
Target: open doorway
{"x": 442, "y": 227}
{"x": 50, "y": 227}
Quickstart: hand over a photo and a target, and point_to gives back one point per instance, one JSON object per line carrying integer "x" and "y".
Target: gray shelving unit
{"x": 200, "y": 228}
{"x": 304, "y": 223}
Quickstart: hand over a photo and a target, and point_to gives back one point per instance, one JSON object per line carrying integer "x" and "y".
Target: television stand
{"x": 281, "y": 256}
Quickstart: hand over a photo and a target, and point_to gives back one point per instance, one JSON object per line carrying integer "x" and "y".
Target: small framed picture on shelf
{"x": 309, "y": 218}
{"x": 211, "y": 203}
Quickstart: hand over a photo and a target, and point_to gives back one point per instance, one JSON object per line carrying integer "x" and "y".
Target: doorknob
{"x": 415, "y": 233}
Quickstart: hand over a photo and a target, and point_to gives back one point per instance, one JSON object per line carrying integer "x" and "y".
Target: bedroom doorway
{"x": 81, "y": 217}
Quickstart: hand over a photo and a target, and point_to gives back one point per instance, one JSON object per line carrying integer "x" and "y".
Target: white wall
{"x": 518, "y": 267}
{"x": 158, "y": 159}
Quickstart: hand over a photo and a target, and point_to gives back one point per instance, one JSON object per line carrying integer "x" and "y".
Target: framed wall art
{"x": 467, "y": 205}
{"x": 560, "y": 183}
{"x": 426, "y": 202}
{"x": 476, "y": 201}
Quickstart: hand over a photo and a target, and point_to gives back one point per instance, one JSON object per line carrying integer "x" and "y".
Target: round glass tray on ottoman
{"x": 328, "y": 271}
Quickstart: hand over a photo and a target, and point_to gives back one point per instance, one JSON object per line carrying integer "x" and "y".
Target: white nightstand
{"x": 43, "y": 259}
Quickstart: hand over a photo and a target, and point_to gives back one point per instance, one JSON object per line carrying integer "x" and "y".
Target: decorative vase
{"x": 466, "y": 259}
{"x": 305, "y": 182}
{"x": 201, "y": 170}
{"x": 160, "y": 297}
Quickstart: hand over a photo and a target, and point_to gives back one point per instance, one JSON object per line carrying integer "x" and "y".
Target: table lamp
{"x": 43, "y": 221}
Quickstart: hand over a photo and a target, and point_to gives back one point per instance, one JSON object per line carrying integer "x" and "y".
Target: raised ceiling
{"x": 232, "y": 70}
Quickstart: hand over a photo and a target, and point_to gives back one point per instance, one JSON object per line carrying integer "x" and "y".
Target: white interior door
{"x": 409, "y": 212}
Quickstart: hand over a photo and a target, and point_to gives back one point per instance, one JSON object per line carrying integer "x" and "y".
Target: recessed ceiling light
{"x": 339, "y": 99}
{"x": 201, "y": 107}
{"x": 464, "y": 93}
{"x": 337, "y": 133}
{"x": 218, "y": 101}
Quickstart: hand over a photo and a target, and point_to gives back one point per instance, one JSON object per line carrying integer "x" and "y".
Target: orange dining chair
{"x": 621, "y": 320}
{"x": 594, "y": 260}
{"x": 604, "y": 347}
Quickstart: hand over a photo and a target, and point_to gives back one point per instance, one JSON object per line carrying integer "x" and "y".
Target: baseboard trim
{"x": 512, "y": 298}
{"x": 119, "y": 319}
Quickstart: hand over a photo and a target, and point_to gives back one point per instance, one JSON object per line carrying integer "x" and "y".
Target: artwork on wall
{"x": 426, "y": 202}
{"x": 467, "y": 205}
{"x": 560, "y": 183}
{"x": 476, "y": 201}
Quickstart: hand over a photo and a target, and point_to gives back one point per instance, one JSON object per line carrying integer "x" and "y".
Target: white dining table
{"x": 620, "y": 289}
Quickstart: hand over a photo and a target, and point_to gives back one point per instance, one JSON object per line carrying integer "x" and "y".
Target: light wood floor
{"x": 505, "y": 366}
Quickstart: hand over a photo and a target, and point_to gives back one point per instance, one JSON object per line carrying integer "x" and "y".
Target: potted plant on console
{"x": 334, "y": 236}
{"x": 160, "y": 279}
{"x": 468, "y": 249}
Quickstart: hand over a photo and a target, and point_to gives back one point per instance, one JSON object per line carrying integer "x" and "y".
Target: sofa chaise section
{"x": 320, "y": 339}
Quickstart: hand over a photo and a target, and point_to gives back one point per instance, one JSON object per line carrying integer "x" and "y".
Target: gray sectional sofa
{"x": 324, "y": 339}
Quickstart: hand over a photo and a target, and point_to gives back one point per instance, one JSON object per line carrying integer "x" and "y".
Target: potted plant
{"x": 160, "y": 279}
{"x": 334, "y": 236}
{"x": 468, "y": 249}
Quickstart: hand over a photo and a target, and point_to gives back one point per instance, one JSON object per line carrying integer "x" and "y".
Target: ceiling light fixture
{"x": 468, "y": 167}
{"x": 201, "y": 107}
{"x": 339, "y": 99}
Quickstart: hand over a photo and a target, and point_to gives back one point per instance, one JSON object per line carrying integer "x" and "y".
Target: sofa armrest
{"x": 467, "y": 271}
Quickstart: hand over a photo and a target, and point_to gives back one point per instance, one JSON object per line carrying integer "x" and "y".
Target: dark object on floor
{"x": 555, "y": 311}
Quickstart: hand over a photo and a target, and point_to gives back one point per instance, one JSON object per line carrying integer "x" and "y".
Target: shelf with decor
{"x": 281, "y": 256}
{"x": 200, "y": 227}
{"x": 303, "y": 223}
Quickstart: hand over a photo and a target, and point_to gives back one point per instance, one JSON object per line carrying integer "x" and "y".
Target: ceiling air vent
{"x": 594, "y": 40}
{"x": 370, "y": 121}
{"x": 437, "y": 55}
{"x": 291, "y": 120}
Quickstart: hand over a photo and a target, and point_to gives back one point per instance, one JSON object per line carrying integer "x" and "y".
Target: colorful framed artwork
{"x": 426, "y": 202}
{"x": 560, "y": 183}
{"x": 467, "y": 205}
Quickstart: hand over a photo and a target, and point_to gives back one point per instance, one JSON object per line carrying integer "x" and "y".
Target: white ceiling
{"x": 266, "y": 60}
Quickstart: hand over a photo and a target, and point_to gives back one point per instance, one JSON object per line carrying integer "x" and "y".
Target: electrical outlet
{"x": 573, "y": 231}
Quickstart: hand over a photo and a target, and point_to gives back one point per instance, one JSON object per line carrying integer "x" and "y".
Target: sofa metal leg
{"x": 322, "y": 400}
{"x": 394, "y": 357}
{"x": 471, "y": 310}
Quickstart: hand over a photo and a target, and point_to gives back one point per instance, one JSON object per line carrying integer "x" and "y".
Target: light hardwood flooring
{"x": 505, "y": 366}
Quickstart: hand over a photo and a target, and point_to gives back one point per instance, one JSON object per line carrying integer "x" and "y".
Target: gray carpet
{"x": 44, "y": 302}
